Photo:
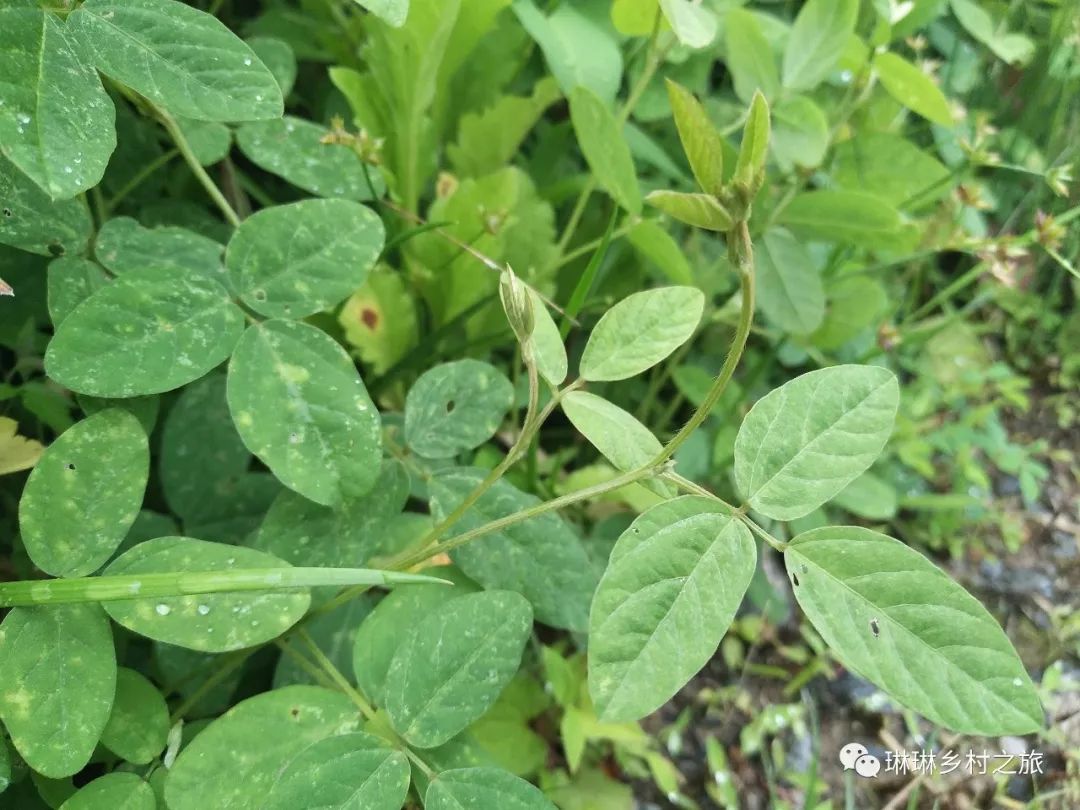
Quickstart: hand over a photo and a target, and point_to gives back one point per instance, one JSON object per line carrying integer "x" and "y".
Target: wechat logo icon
{"x": 855, "y": 757}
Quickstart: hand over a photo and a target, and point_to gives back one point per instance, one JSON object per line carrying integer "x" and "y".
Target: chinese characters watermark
{"x": 856, "y": 757}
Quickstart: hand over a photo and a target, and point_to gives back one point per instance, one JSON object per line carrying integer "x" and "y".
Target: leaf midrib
{"x": 757, "y": 490}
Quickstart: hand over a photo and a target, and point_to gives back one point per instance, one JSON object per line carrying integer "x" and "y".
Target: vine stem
{"x": 741, "y": 253}
{"x": 650, "y": 470}
{"x": 197, "y": 169}
{"x": 528, "y": 430}
{"x": 358, "y": 699}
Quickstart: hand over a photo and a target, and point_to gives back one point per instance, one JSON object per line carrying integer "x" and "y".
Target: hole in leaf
{"x": 795, "y": 579}
{"x": 70, "y": 466}
{"x": 56, "y": 249}
{"x": 8, "y": 212}
{"x": 874, "y": 628}
{"x": 295, "y": 712}
{"x": 450, "y": 405}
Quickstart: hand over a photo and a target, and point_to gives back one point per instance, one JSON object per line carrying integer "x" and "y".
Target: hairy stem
{"x": 741, "y": 253}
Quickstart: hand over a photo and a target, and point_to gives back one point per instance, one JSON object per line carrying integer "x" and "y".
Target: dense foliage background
{"x": 915, "y": 214}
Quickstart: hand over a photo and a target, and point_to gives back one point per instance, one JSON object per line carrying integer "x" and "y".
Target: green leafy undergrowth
{"x": 414, "y": 393}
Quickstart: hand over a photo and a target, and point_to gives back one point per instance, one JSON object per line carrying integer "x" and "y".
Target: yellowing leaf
{"x": 16, "y": 452}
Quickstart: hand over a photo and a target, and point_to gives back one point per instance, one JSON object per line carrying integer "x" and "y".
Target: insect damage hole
{"x": 874, "y": 628}
{"x": 794, "y": 579}
{"x": 450, "y": 405}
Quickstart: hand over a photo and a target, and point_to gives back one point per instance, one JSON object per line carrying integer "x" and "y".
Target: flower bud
{"x": 517, "y": 303}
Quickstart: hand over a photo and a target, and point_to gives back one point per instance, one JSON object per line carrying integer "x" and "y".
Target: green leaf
{"x": 896, "y": 619}
{"x": 693, "y": 24}
{"x": 483, "y": 787}
{"x": 238, "y": 757}
{"x": 395, "y": 617}
{"x": 279, "y": 59}
{"x": 854, "y": 303}
{"x": 292, "y": 148}
{"x": 84, "y": 494}
{"x": 178, "y": 57}
{"x": 340, "y": 773}
{"x": 868, "y": 497}
{"x": 124, "y": 246}
{"x": 304, "y": 533}
{"x": 548, "y": 348}
{"x": 489, "y": 139}
{"x": 1010, "y": 47}
{"x": 749, "y": 56}
{"x": 113, "y": 791}
{"x": 842, "y": 216}
{"x": 139, "y": 723}
{"x": 800, "y": 133}
{"x": 56, "y": 120}
{"x": 148, "y": 331}
{"x": 291, "y": 261}
{"x": 455, "y": 407}
{"x": 698, "y": 210}
{"x": 619, "y": 437}
{"x": 450, "y": 671}
{"x": 817, "y": 41}
{"x": 541, "y": 558}
{"x": 640, "y": 331}
{"x": 605, "y": 149}
{"x": 30, "y": 221}
{"x": 301, "y": 407}
{"x": 804, "y": 442}
{"x": 392, "y": 12}
{"x": 201, "y": 455}
{"x": 754, "y": 149}
{"x": 71, "y": 281}
{"x": 213, "y": 622}
{"x": 57, "y": 681}
{"x": 674, "y": 581}
{"x": 701, "y": 141}
{"x": 892, "y": 168}
{"x": 789, "y": 286}
{"x": 653, "y": 242}
{"x": 912, "y": 88}
{"x": 578, "y": 51}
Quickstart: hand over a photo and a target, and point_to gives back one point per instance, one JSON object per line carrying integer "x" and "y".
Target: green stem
{"x": 335, "y": 675}
{"x": 589, "y": 247}
{"x": 231, "y": 663}
{"x": 342, "y": 683}
{"x": 197, "y": 169}
{"x": 528, "y": 430}
{"x": 151, "y": 586}
{"x": 139, "y": 178}
{"x": 741, "y": 252}
{"x": 739, "y": 513}
{"x": 301, "y": 661}
{"x": 648, "y": 471}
